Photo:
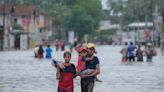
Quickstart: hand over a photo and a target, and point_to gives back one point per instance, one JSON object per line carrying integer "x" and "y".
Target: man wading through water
{"x": 87, "y": 81}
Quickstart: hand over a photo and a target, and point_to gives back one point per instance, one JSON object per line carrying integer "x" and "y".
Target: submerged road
{"x": 21, "y": 72}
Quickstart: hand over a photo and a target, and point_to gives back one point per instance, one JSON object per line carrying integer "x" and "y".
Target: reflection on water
{"x": 20, "y": 72}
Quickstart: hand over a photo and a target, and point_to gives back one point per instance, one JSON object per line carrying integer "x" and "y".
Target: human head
{"x": 82, "y": 51}
{"x": 67, "y": 56}
{"x": 131, "y": 43}
{"x": 126, "y": 43}
{"x": 149, "y": 44}
{"x": 48, "y": 45}
{"x": 40, "y": 46}
{"x": 91, "y": 48}
{"x": 139, "y": 46}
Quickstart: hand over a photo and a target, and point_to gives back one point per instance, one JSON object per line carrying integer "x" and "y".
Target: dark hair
{"x": 48, "y": 45}
{"x": 41, "y": 50}
{"x": 126, "y": 43}
{"x": 40, "y": 46}
{"x": 67, "y": 53}
{"x": 131, "y": 43}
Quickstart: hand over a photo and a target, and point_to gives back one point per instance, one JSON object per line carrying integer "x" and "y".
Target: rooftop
{"x": 5, "y": 8}
{"x": 23, "y": 10}
{"x": 18, "y": 10}
{"x": 140, "y": 24}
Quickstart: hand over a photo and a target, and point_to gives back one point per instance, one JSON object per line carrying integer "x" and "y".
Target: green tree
{"x": 133, "y": 10}
{"x": 79, "y": 21}
{"x": 84, "y": 16}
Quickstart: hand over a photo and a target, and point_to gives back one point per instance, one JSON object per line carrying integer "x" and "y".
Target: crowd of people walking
{"x": 88, "y": 65}
{"x": 134, "y": 53}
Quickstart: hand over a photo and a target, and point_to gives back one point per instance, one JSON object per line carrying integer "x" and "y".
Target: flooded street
{"x": 21, "y": 72}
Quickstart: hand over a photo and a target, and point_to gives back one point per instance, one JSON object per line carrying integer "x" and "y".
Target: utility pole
{"x": 5, "y": 36}
{"x": 3, "y": 25}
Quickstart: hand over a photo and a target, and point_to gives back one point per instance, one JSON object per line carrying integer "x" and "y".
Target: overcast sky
{"x": 104, "y": 4}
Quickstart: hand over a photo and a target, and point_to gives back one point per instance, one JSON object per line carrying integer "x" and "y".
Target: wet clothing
{"x": 131, "y": 53}
{"x": 36, "y": 51}
{"x": 87, "y": 83}
{"x": 66, "y": 83}
{"x": 124, "y": 52}
{"x": 139, "y": 55}
{"x": 80, "y": 68}
{"x": 149, "y": 58}
{"x": 80, "y": 64}
{"x": 65, "y": 90}
{"x": 48, "y": 53}
{"x": 87, "y": 86}
{"x": 131, "y": 58}
{"x": 91, "y": 65}
{"x": 40, "y": 52}
{"x": 150, "y": 52}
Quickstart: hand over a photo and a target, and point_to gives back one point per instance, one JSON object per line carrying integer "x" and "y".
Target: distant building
{"x": 25, "y": 27}
{"x": 140, "y": 32}
{"x": 22, "y": 18}
{"x": 106, "y": 25}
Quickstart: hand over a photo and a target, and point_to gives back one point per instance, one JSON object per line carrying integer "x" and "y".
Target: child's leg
{"x": 98, "y": 80}
{"x": 87, "y": 71}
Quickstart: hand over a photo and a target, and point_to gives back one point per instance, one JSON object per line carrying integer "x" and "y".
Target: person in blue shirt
{"x": 131, "y": 52}
{"x": 48, "y": 52}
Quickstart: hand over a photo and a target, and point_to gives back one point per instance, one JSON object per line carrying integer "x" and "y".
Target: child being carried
{"x": 82, "y": 59}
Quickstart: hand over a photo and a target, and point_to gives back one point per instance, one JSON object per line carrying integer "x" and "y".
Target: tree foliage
{"x": 135, "y": 10}
{"x": 82, "y": 16}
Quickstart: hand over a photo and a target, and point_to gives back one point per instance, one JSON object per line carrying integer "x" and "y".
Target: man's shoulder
{"x": 73, "y": 65}
{"x": 96, "y": 59}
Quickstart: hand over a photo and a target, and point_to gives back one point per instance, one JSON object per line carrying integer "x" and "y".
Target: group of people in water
{"x": 88, "y": 65}
{"x": 87, "y": 68}
{"x": 39, "y": 52}
{"x": 131, "y": 52}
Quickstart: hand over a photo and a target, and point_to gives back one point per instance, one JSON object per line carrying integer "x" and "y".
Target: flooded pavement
{"x": 21, "y": 72}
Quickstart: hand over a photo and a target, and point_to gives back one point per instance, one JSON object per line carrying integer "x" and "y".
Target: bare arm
{"x": 89, "y": 58}
{"x": 97, "y": 71}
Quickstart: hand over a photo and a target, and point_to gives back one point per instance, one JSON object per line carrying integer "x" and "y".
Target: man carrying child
{"x": 92, "y": 65}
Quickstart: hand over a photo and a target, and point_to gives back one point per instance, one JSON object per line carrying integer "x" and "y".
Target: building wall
{"x": 23, "y": 42}
{"x": 30, "y": 35}
{"x": 5, "y": 38}
{"x": 21, "y": 34}
{"x": 11, "y": 41}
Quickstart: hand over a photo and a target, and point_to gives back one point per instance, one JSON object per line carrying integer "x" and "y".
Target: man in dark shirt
{"x": 87, "y": 81}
